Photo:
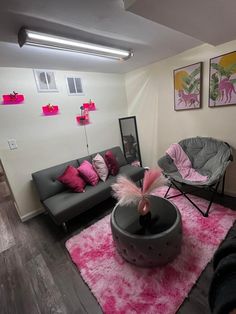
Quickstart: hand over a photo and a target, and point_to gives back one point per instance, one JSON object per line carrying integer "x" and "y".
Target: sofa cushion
{"x": 100, "y": 167}
{"x": 72, "y": 180}
{"x": 67, "y": 205}
{"x": 46, "y": 179}
{"x": 132, "y": 172}
{"x": 88, "y": 173}
{"x": 112, "y": 163}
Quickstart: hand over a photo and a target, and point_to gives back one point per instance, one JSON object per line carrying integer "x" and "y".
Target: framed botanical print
{"x": 187, "y": 87}
{"x": 222, "y": 80}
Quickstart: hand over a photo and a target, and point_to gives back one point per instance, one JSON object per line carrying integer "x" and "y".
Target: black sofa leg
{"x": 64, "y": 226}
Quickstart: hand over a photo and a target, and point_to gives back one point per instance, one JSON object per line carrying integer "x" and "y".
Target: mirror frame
{"x": 136, "y": 134}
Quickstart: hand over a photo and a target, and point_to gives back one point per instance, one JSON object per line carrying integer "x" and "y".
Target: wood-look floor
{"x": 37, "y": 275}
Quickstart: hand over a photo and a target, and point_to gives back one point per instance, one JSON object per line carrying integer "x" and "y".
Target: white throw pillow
{"x": 100, "y": 167}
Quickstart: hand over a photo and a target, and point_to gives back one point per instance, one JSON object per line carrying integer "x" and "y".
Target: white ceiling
{"x": 101, "y": 21}
{"x": 211, "y": 21}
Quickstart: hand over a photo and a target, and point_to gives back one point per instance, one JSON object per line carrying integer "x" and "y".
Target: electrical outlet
{"x": 12, "y": 143}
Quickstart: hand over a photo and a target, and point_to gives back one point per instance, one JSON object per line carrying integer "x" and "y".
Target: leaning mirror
{"x": 130, "y": 142}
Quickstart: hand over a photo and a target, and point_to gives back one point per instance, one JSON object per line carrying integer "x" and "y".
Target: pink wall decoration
{"x": 90, "y": 106}
{"x": 50, "y": 110}
{"x": 13, "y": 99}
{"x": 83, "y": 118}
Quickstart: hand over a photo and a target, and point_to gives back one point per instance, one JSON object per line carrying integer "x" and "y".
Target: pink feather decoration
{"x": 126, "y": 191}
{"x": 152, "y": 180}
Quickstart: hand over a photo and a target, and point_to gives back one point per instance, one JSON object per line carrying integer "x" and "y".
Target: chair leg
{"x": 189, "y": 199}
{"x": 223, "y": 186}
{"x": 165, "y": 196}
{"x": 176, "y": 195}
{"x": 205, "y": 214}
{"x": 211, "y": 200}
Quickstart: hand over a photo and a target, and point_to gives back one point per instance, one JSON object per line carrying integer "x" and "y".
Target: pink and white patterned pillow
{"x": 100, "y": 166}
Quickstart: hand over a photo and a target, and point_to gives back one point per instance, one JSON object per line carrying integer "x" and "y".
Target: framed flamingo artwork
{"x": 188, "y": 87}
{"x": 222, "y": 80}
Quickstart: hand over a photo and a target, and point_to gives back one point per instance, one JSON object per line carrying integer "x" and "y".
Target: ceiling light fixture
{"x": 28, "y": 37}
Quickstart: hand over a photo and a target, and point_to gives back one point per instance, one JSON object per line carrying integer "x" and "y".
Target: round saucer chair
{"x": 209, "y": 157}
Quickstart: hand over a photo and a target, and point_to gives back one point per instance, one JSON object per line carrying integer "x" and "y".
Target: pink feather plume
{"x": 152, "y": 180}
{"x": 126, "y": 191}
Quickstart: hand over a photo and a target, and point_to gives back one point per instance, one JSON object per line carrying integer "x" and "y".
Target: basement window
{"x": 74, "y": 85}
{"x": 45, "y": 81}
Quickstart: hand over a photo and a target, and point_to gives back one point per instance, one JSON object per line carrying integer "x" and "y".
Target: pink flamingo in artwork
{"x": 226, "y": 87}
{"x": 188, "y": 99}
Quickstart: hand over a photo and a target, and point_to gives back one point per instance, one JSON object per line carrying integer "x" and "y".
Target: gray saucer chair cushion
{"x": 208, "y": 157}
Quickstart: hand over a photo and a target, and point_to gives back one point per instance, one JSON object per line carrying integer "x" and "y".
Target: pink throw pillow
{"x": 71, "y": 178}
{"x": 88, "y": 173}
{"x": 112, "y": 163}
{"x": 100, "y": 167}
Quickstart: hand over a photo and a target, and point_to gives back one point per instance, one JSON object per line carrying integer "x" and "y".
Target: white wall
{"x": 47, "y": 141}
{"x": 142, "y": 98}
{"x": 150, "y": 95}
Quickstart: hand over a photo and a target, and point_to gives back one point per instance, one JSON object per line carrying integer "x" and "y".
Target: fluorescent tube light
{"x": 28, "y": 37}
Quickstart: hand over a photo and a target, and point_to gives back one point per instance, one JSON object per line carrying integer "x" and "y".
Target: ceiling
{"x": 107, "y": 22}
{"x": 211, "y": 21}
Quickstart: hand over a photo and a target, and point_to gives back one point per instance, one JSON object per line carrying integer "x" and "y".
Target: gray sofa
{"x": 63, "y": 204}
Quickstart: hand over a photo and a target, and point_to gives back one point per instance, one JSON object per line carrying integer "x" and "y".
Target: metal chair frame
{"x": 213, "y": 188}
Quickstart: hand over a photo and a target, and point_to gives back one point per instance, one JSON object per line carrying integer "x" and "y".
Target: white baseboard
{"x": 32, "y": 214}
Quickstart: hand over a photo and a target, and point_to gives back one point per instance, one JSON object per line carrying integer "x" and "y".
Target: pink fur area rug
{"x": 126, "y": 289}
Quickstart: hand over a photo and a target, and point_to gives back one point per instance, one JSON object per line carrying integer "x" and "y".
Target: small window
{"x": 74, "y": 85}
{"x": 45, "y": 81}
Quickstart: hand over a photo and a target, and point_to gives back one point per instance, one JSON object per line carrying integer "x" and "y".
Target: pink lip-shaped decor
{"x": 50, "y": 110}
{"x": 12, "y": 99}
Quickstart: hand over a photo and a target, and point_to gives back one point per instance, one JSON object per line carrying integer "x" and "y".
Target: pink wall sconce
{"x": 13, "y": 99}
{"x": 50, "y": 110}
{"x": 90, "y": 106}
{"x": 83, "y": 118}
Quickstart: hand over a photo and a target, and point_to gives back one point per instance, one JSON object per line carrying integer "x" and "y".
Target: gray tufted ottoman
{"x": 155, "y": 244}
